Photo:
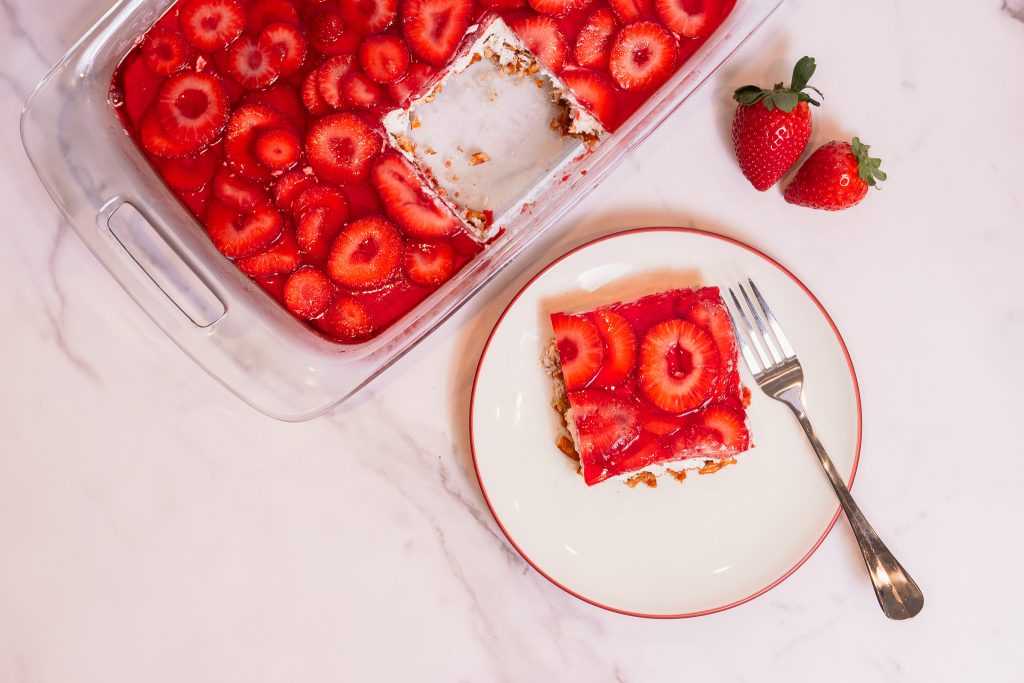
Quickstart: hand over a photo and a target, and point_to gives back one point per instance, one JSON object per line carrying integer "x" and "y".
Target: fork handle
{"x": 898, "y": 595}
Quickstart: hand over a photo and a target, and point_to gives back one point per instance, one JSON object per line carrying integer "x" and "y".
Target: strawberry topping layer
{"x": 652, "y": 382}
{"x": 265, "y": 118}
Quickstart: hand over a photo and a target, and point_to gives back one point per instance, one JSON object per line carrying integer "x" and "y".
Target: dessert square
{"x": 649, "y": 386}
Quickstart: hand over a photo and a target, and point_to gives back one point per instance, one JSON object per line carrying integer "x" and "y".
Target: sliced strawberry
{"x": 642, "y": 56}
{"x": 678, "y": 366}
{"x": 289, "y": 186}
{"x": 247, "y": 122}
{"x": 314, "y": 230}
{"x": 360, "y": 91}
{"x": 542, "y": 37}
{"x": 308, "y": 292}
{"x": 341, "y": 147}
{"x": 288, "y": 41}
{"x": 138, "y": 89}
{"x": 554, "y": 8}
{"x": 281, "y": 258}
{"x": 632, "y": 10}
{"x": 720, "y": 433}
{"x": 420, "y": 213}
{"x": 262, "y": 13}
{"x": 164, "y": 52}
{"x": 189, "y": 173}
{"x": 384, "y": 58}
{"x": 502, "y": 4}
{"x": 325, "y": 196}
{"x": 596, "y": 92}
{"x": 714, "y": 318}
{"x": 662, "y": 426}
{"x": 366, "y": 254}
{"x": 211, "y": 24}
{"x": 242, "y": 233}
{"x": 327, "y": 33}
{"x": 347, "y": 320}
{"x": 369, "y": 16}
{"x": 429, "y": 264}
{"x": 282, "y": 99}
{"x": 689, "y": 18}
{"x": 329, "y": 77}
{"x": 413, "y": 85}
{"x": 434, "y": 28}
{"x": 644, "y": 451}
{"x": 158, "y": 142}
{"x": 580, "y": 349}
{"x": 320, "y": 212}
{"x": 619, "y": 348}
{"x": 253, "y": 64}
{"x": 278, "y": 149}
{"x": 605, "y": 423}
{"x": 193, "y": 107}
{"x": 235, "y": 191}
{"x": 594, "y": 41}
{"x": 312, "y": 100}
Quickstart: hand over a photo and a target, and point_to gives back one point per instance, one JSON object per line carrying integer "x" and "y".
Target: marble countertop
{"x": 153, "y": 528}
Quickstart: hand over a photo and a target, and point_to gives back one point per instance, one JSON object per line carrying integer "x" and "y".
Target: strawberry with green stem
{"x": 771, "y": 127}
{"x": 836, "y": 176}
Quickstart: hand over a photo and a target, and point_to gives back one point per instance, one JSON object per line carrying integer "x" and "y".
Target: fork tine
{"x": 772, "y": 322}
{"x": 765, "y": 361}
{"x": 748, "y": 353}
{"x": 765, "y": 335}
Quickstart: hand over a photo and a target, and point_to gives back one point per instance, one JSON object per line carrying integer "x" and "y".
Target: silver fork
{"x": 778, "y": 372}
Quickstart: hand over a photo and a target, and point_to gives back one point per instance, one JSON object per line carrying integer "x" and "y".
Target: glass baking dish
{"x": 224, "y": 321}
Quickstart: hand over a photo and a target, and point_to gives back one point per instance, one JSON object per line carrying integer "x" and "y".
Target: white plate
{"x": 678, "y": 550}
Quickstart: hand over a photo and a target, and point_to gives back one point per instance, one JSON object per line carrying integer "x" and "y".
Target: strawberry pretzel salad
{"x": 351, "y": 156}
{"x": 649, "y": 387}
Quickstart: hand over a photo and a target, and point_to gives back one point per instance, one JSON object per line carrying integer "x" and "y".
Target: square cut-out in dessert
{"x": 649, "y": 386}
{"x": 497, "y": 125}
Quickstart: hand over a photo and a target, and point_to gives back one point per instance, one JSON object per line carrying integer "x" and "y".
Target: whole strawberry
{"x": 836, "y": 176}
{"x": 771, "y": 127}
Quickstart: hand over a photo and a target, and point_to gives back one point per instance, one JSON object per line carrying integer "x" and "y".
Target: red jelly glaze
{"x": 134, "y": 89}
{"x": 661, "y": 433}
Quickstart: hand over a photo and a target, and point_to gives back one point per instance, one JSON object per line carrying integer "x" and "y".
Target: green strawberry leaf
{"x": 868, "y": 168}
{"x": 786, "y": 100}
{"x": 749, "y": 94}
{"x": 804, "y": 97}
{"x": 802, "y": 73}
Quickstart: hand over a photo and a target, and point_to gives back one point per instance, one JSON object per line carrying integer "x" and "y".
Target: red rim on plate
{"x": 839, "y": 338}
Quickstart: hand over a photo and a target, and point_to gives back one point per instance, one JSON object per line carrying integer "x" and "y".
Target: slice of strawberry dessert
{"x": 648, "y": 387}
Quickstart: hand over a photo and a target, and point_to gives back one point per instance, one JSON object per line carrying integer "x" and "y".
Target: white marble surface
{"x": 152, "y": 528}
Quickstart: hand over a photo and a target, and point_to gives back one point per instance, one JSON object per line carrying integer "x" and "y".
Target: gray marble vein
{"x": 1014, "y": 8}
{"x": 57, "y": 318}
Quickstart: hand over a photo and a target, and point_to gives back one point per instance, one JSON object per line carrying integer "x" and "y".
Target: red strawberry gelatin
{"x": 265, "y": 118}
{"x": 650, "y": 386}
